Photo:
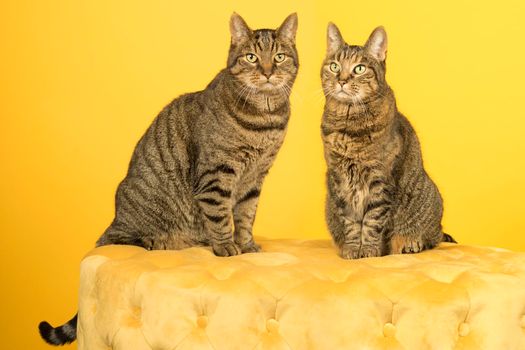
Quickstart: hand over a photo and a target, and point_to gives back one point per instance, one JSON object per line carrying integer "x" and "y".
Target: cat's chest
{"x": 259, "y": 148}
{"x": 364, "y": 154}
{"x": 265, "y": 131}
{"x": 358, "y": 165}
{"x": 355, "y": 178}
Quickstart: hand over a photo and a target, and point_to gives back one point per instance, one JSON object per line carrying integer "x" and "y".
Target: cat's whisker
{"x": 285, "y": 88}
{"x": 318, "y": 92}
{"x": 295, "y": 95}
{"x": 240, "y": 95}
{"x": 285, "y": 95}
{"x": 322, "y": 93}
{"x": 248, "y": 96}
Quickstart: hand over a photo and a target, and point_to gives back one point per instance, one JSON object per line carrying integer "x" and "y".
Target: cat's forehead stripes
{"x": 265, "y": 40}
{"x": 353, "y": 54}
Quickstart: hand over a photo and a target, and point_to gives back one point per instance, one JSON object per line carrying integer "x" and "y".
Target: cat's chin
{"x": 342, "y": 97}
{"x": 269, "y": 88}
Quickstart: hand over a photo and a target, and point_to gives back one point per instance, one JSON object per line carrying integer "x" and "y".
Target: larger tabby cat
{"x": 202, "y": 162}
{"x": 380, "y": 199}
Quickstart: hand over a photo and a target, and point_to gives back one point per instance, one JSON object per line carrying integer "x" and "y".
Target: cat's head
{"x": 351, "y": 73}
{"x": 263, "y": 60}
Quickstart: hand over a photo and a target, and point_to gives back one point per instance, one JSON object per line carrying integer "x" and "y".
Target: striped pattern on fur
{"x": 196, "y": 175}
{"x": 380, "y": 199}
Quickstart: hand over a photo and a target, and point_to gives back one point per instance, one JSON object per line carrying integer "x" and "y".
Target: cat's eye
{"x": 359, "y": 69}
{"x": 335, "y": 67}
{"x": 279, "y": 57}
{"x": 250, "y": 57}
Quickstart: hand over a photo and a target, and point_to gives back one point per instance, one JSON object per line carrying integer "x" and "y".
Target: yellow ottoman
{"x": 301, "y": 295}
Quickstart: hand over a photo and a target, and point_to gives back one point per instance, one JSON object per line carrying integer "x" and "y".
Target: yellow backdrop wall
{"x": 81, "y": 81}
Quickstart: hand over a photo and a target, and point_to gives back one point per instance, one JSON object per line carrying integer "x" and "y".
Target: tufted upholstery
{"x": 301, "y": 295}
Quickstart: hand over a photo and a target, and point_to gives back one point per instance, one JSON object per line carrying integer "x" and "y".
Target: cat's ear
{"x": 288, "y": 28}
{"x": 240, "y": 31}
{"x": 377, "y": 44}
{"x": 334, "y": 39}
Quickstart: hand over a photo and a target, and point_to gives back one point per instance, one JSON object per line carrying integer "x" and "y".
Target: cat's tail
{"x": 448, "y": 238}
{"x": 64, "y": 334}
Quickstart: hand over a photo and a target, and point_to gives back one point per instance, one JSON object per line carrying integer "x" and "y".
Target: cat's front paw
{"x": 406, "y": 245}
{"x": 349, "y": 251}
{"x": 226, "y": 249}
{"x": 251, "y": 247}
{"x": 370, "y": 252}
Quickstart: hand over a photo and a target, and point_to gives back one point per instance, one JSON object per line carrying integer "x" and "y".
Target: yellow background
{"x": 81, "y": 81}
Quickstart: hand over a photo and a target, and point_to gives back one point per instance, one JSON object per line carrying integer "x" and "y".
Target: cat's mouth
{"x": 341, "y": 94}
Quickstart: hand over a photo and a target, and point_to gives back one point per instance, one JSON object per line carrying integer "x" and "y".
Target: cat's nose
{"x": 266, "y": 70}
{"x": 342, "y": 82}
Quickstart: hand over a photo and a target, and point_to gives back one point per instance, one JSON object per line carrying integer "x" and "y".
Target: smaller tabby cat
{"x": 380, "y": 199}
{"x": 195, "y": 176}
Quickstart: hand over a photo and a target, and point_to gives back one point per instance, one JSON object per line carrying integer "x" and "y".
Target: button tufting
{"x": 464, "y": 329}
{"x": 272, "y": 325}
{"x": 389, "y": 330}
{"x": 441, "y": 279}
{"x": 202, "y": 321}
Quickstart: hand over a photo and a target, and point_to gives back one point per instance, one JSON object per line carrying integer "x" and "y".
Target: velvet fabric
{"x": 301, "y": 295}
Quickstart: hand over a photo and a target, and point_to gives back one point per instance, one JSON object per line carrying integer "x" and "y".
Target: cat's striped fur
{"x": 380, "y": 200}
{"x": 196, "y": 174}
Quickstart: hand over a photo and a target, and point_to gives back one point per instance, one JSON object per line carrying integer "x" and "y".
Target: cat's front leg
{"x": 350, "y": 247}
{"x": 244, "y": 215}
{"x": 377, "y": 220}
{"x": 213, "y": 194}
{"x": 342, "y": 220}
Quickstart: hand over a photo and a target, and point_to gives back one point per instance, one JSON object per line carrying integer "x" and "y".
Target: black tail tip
{"x": 47, "y": 333}
{"x": 45, "y": 330}
{"x": 65, "y": 334}
{"x": 448, "y": 238}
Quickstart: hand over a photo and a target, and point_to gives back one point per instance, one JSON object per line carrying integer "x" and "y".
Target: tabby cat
{"x": 195, "y": 176}
{"x": 380, "y": 200}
